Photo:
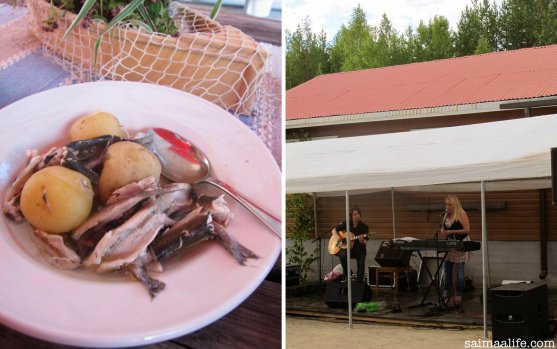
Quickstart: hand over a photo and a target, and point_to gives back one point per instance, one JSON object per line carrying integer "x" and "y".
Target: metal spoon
{"x": 182, "y": 161}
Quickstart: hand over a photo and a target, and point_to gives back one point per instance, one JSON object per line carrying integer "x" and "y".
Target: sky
{"x": 331, "y": 14}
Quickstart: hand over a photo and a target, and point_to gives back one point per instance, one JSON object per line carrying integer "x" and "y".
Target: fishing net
{"x": 218, "y": 63}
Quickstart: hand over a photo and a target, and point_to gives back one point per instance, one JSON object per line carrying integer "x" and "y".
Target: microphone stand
{"x": 438, "y": 281}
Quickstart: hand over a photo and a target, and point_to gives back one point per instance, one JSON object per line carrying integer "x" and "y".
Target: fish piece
{"x": 53, "y": 249}
{"x": 96, "y": 241}
{"x": 132, "y": 189}
{"x": 108, "y": 214}
{"x": 71, "y": 162}
{"x": 11, "y": 201}
{"x": 92, "y": 148}
{"x": 217, "y": 206}
{"x": 133, "y": 245}
{"x": 129, "y": 252}
{"x": 190, "y": 230}
{"x": 114, "y": 237}
{"x": 174, "y": 197}
{"x": 88, "y": 240}
{"x": 237, "y": 250}
{"x": 52, "y": 157}
{"x": 153, "y": 286}
{"x": 193, "y": 229}
{"x": 120, "y": 205}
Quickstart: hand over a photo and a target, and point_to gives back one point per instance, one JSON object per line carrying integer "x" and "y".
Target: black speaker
{"x": 519, "y": 311}
{"x": 292, "y": 272}
{"x": 390, "y": 257}
{"x": 336, "y": 294}
{"x": 554, "y": 175}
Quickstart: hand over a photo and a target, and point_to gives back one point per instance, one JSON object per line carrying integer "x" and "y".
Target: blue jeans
{"x": 448, "y": 270}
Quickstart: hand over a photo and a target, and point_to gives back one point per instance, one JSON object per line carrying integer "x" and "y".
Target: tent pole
{"x": 317, "y": 237}
{"x": 348, "y": 274}
{"x": 484, "y": 258}
{"x": 315, "y": 214}
{"x": 393, "y": 210}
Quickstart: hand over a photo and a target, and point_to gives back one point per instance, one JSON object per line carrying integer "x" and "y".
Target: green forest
{"x": 483, "y": 27}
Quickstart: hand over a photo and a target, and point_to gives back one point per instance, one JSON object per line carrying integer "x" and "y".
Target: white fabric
{"x": 508, "y": 155}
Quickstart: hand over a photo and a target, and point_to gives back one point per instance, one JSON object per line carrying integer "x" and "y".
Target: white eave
{"x": 406, "y": 114}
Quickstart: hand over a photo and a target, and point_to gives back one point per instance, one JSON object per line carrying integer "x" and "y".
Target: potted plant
{"x": 299, "y": 208}
{"x": 154, "y": 41}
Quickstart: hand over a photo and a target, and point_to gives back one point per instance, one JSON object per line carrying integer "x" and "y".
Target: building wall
{"x": 417, "y": 214}
{"x": 380, "y": 127}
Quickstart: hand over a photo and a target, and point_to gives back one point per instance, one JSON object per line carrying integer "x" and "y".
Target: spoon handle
{"x": 271, "y": 221}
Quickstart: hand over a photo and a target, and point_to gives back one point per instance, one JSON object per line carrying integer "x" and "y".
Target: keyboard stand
{"x": 434, "y": 278}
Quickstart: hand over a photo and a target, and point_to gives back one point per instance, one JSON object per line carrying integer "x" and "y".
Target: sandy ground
{"x": 313, "y": 334}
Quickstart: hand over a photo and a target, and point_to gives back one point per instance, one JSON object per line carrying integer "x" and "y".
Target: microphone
{"x": 443, "y": 213}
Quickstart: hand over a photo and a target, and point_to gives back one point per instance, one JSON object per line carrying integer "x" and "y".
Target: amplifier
{"x": 390, "y": 257}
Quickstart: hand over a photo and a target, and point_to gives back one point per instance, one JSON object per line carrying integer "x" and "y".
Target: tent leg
{"x": 317, "y": 238}
{"x": 484, "y": 258}
{"x": 393, "y": 211}
{"x": 348, "y": 274}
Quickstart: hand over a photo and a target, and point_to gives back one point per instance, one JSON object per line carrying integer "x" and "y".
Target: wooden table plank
{"x": 261, "y": 29}
{"x": 255, "y": 323}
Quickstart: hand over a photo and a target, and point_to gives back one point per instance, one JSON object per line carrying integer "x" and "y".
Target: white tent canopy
{"x": 507, "y": 155}
{"x": 504, "y": 155}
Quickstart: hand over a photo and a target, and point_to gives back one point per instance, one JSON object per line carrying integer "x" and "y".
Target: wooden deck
{"x": 310, "y": 302}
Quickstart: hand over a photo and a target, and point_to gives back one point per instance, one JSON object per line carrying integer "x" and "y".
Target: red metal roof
{"x": 497, "y": 76}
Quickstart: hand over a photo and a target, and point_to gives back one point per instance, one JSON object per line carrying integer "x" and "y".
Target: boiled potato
{"x": 125, "y": 163}
{"x": 95, "y": 125}
{"x": 56, "y": 199}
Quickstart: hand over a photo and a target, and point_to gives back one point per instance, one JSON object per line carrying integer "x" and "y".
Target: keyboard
{"x": 436, "y": 245}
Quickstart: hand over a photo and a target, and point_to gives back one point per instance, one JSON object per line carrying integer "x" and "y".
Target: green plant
{"x": 299, "y": 208}
{"x": 151, "y": 15}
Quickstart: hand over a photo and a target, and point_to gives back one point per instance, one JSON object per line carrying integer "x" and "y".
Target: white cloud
{"x": 331, "y": 14}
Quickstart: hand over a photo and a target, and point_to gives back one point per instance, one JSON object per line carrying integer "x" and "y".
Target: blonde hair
{"x": 457, "y": 206}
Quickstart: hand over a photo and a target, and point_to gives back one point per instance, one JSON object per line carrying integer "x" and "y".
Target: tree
{"x": 548, "y": 22}
{"x": 352, "y": 47}
{"x": 483, "y": 46}
{"x": 411, "y": 40}
{"x": 390, "y": 48}
{"x": 520, "y": 23}
{"x": 306, "y": 54}
{"x": 477, "y": 22}
{"x": 442, "y": 39}
{"x": 433, "y": 41}
{"x": 299, "y": 209}
{"x": 483, "y": 27}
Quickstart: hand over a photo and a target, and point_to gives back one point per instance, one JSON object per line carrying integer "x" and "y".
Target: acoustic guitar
{"x": 336, "y": 244}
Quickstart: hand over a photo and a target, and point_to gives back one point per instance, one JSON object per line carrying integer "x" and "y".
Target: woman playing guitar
{"x": 357, "y": 227}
